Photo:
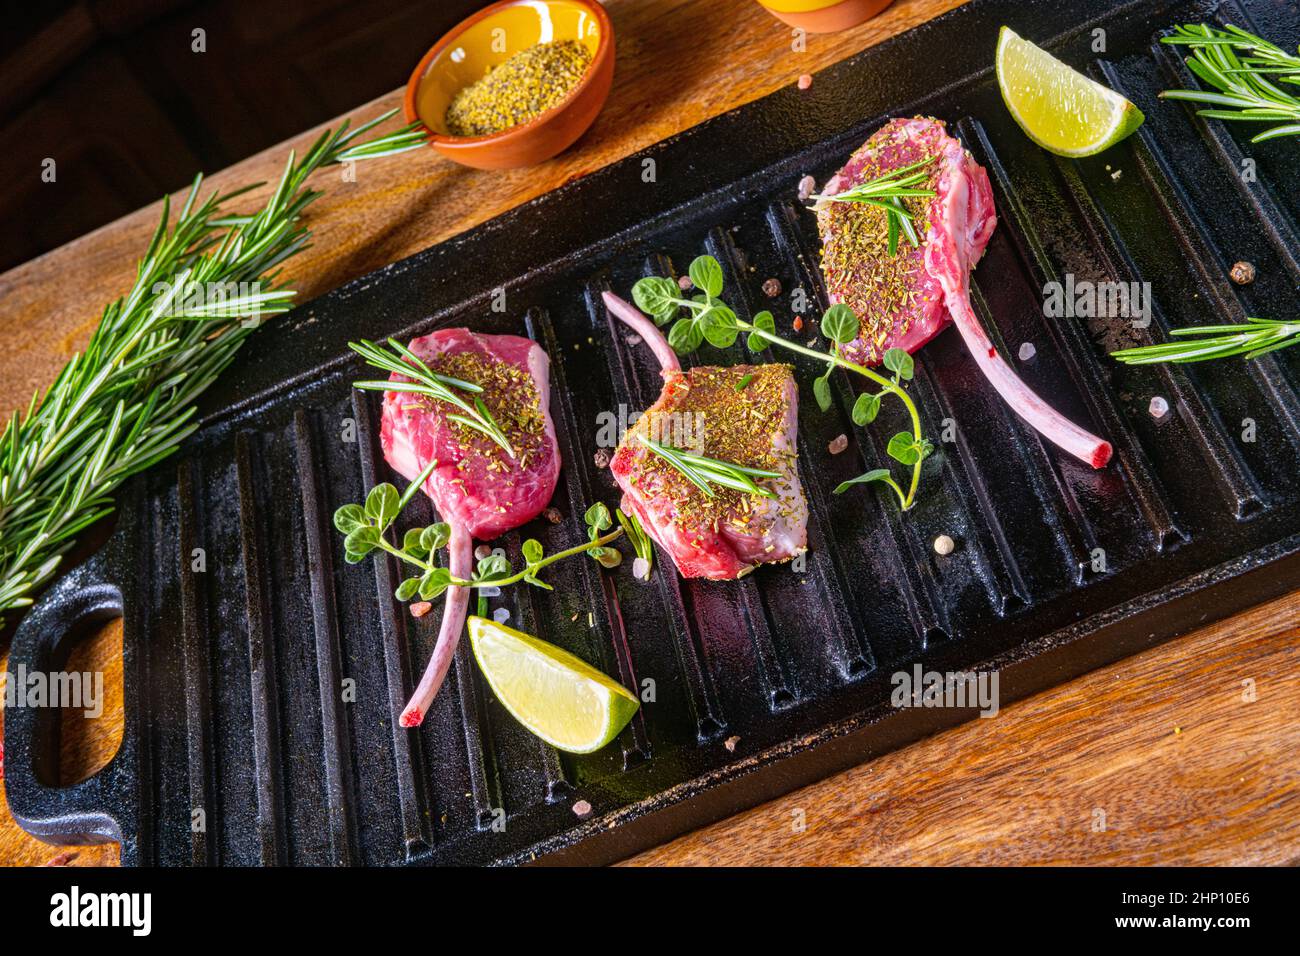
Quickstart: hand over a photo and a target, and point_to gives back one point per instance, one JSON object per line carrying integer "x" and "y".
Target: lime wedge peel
{"x": 1058, "y": 107}
{"x": 555, "y": 695}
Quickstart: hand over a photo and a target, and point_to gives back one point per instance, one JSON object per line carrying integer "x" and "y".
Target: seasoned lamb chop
{"x": 904, "y": 300}
{"x": 745, "y": 415}
{"x": 478, "y": 488}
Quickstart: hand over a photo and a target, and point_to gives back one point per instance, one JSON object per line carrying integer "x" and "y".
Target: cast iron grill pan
{"x": 263, "y": 689}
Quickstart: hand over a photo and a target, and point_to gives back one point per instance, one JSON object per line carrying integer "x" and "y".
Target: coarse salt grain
{"x": 1027, "y": 351}
{"x": 420, "y": 608}
{"x": 1158, "y": 408}
{"x": 641, "y": 569}
{"x": 805, "y": 81}
{"x": 944, "y": 545}
{"x": 482, "y": 551}
{"x": 501, "y": 615}
{"x": 489, "y": 590}
{"x": 582, "y": 808}
{"x": 806, "y": 187}
{"x": 838, "y": 444}
{"x": 685, "y": 283}
{"x": 730, "y": 743}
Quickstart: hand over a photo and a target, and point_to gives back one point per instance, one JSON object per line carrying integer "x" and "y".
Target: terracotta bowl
{"x": 824, "y": 16}
{"x": 493, "y": 35}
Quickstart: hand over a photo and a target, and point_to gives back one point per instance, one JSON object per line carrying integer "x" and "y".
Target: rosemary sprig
{"x": 1246, "y": 70}
{"x": 886, "y": 192}
{"x": 365, "y": 529}
{"x": 1201, "y": 343}
{"x": 709, "y": 319}
{"x": 704, "y": 472}
{"x": 427, "y": 382}
{"x": 127, "y": 401}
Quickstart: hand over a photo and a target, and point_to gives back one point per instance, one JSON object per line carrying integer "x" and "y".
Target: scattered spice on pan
{"x": 519, "y": 89}
{"x": 553, "y": 515}
{"x": 1242, "y": 273}
{"x": 944, "y": 545}
{"x": 601, "y": 458}
{"x": 798, "y": 323}
{"x": 772, "y": 288}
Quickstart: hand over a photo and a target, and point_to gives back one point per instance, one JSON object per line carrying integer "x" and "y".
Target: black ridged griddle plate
{"x": 235, "y": 676}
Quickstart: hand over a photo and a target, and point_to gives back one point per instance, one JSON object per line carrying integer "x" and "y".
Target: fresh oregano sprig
{"x": 887, "y": 191}
{"x": 429, "y": 383}
{"x": 365, "y": 528}
{"x": 709, "y": 319}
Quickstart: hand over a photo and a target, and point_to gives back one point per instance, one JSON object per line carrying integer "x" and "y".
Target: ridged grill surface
{"x": 263, "y": 689}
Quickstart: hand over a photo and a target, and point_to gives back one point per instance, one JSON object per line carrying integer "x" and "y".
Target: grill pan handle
{"x": 95, "y": 810}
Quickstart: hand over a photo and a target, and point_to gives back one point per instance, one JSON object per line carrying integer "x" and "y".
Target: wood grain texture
{"x": 1021, "y": 788}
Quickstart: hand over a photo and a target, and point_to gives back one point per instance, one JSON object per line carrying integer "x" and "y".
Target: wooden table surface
{"x": 1189, "y": 753}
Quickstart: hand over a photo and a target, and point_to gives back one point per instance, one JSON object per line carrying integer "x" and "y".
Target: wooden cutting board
{"x": 1160, "y": 758}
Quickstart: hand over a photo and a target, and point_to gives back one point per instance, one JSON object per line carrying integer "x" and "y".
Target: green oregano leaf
{"x": 876, "y": 474}
{"x": 655, "y": 295}
{"x": 866, "y": 408}
{"x": 533, "y": 551}
{"x": 822, "y": 392}
{"x": 904, "y": 449}
{"x": 382, "y": 504}
{"x": 899, "y": 362}
{"x": 839, "y": 324}
{"x": 765, "y": 322}
{"x": 706, "y": 273}
{"x": 597, "y": 518}
{"x": 685, "y": 336}
{"x": 349, "y": 518}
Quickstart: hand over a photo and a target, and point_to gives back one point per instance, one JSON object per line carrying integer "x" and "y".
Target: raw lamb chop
{"x": 745, "y": 415}
{"x": 904, "y": 300}
{"x": 478, "y": 488}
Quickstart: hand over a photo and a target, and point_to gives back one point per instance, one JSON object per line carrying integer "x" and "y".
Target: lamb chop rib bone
{"x": 961, "y": 218}
{"x": 751, "y": 414}
{"x": 479, "y": 490}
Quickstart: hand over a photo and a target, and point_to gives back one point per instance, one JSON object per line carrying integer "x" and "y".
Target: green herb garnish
{"x": 1247, "y": 84}
{"x": 707, "y": 318}
{"x": 127, "y": 401}
{"x": 886, "y": 192}
{"x": 427, "y": 382}
{"x": 704, "y": 472}
{"x": 1256, "y": 337}
{"x": 365, "y": 527}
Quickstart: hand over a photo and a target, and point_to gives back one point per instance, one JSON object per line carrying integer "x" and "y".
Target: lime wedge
{"x": 1058, "y": 107}
{"x": 557, "y": 696}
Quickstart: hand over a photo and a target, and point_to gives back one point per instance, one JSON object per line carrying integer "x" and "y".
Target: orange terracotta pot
{"x": 824, "y": 18}
{"x": 491, "y": 36}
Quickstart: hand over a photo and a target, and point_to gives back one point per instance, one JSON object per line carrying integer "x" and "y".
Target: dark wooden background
{"x": 114, "y": 92}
